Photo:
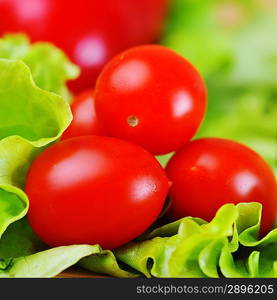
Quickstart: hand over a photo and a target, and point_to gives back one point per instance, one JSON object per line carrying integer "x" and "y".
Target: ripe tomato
{"x": 210, "y": 172}
{"x": 94, "y": 190}
{"x": 89, "y": 31}
{"x": 85, "y": 121}
{"x": 151, "y": 96}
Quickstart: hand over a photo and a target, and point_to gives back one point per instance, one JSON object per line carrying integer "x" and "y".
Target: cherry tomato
{"x": 94, "y": 190}
{"x": 85, "y": 121}
{"x": 89, "y": 31}
{"x": 151, "y": 96}
{"x": 210, "y": 172}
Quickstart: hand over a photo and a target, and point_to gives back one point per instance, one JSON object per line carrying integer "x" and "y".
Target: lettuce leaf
{"x": 228, "y": 246}
{"x": 47, "y": 263}
{"x": 19, "y": 243}
{"x": 105, "y": 262}
{"x": 20, "y": 240}
{"x": 30, "y": 119}
{"x": 50, "y": 67}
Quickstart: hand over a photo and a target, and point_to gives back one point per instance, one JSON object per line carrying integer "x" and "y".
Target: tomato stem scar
{"x": 133, "y": 121}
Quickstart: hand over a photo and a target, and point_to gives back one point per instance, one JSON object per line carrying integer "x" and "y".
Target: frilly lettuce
{"x": 30, "y": 119}
{"x": 50, "y": 67}
{"x": 228, "y": 246}
{"x": 22, "y": 254}
{"x": 47, "y": 263}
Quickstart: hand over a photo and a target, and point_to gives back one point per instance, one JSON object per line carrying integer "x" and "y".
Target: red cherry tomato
{"x": 85, "y": 121}
{"x": 151, "y": 96}
{"x": 89, "y": 31}
{"x": 94, "y": 190}
{"x": 210, "y": 172}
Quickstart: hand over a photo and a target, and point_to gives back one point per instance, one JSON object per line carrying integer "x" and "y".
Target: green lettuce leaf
{"x": 228, "y": 246}
{"x": 105, "y": 262}
{"x": 47, "y": 263}
{"x": 19, "y": 242}
{"x": 51, "y": 262}
{"x": 50, "y": 67}
{"x": 30, "y": 119}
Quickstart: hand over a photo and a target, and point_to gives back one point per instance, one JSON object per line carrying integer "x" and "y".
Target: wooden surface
{"x": 79, "y": 273}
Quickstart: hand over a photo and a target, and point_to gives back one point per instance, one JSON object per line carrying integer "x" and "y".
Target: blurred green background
{"x": 234, "y": 46}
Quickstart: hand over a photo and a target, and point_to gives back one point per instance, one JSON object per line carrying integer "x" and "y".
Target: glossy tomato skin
{"x": 89, "y": 31}
{"x": 151, "y": 96}
{"x": 94, "y": 190}
{"x": 85, "y": 121}
{"x": 209, "y": 172}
